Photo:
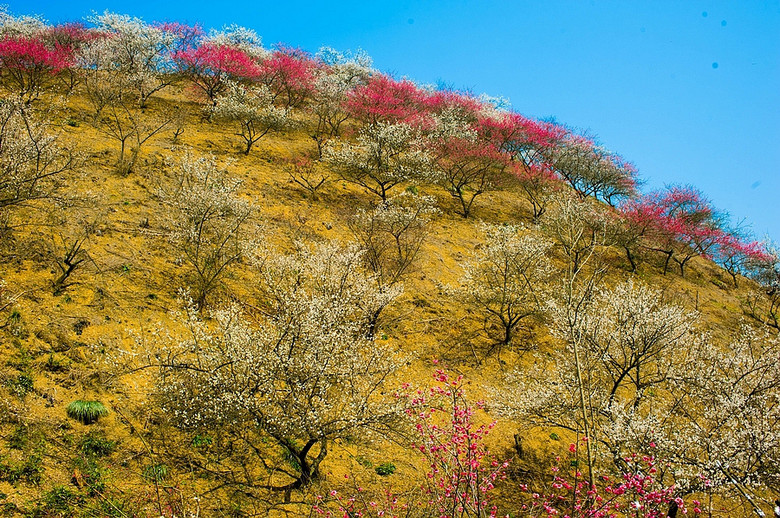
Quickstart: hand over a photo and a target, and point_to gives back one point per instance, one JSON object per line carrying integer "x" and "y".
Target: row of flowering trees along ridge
{"x": 658, "y": 420}
{"x": 405, "y": 132}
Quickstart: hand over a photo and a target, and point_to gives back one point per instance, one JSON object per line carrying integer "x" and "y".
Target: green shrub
{"x": 156, "y": 472}
{"x": 19, "y": 438}
{"x": 385, "y": 469}
{"x": 60, "y": 501}
{"x": 31, "y": 471}
{"x": 95, "y": 444}
{"x": 91, "y": 474}
{"x": 22, "y": 385}
{"x": 86, "y": 412}
{"x": 202, "y": 441}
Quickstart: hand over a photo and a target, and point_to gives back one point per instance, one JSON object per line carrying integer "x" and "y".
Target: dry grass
{"x": 131, "y": 282}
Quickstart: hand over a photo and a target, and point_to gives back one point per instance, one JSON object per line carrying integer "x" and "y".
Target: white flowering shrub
{"x": 206, "y": 223}
{"x": 22, "y": 25}
{"x": 129, "y": 48}
{"x": 505, "y": 279}
{"x": 384, "y": 156}
{"x": 728, "y": 413}
{"x": 333, "y": 84}
{"x": 32, "y": 162}
{"x": 578, "y": 229}
{"x": 391, "y": 234}
{"x": 252, "y": 109}
{"x": 636, "y": 376}
{"x": 240, "y": 38}
{"x": 121, "y": 68}
{"x": 634, "y": 335}
{"x": 281, "y": 388}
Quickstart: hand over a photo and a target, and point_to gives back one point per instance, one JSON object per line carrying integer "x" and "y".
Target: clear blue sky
{"x": 689, "y": 90}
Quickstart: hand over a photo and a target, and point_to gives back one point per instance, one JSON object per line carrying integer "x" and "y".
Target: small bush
{"x": 60, "y": 501}
{"x": 90, "y": 474}
{"x": 80, "y": 326}
{"x": 385, "y": 469}
{"x": 95, "y": 444}
{"x": 19, "y": 439}
{"x": 86, "y": 412}
{"x": 202, "y": 441}
{"x": 156, "y": 472}
{"x": 31, "y": 471}
{"x": 22, "y": 385}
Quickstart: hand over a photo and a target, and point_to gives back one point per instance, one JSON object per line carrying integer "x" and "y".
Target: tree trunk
{"x": 630, "y": 258}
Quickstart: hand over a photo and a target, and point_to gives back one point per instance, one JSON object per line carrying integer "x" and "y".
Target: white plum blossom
{"x": 504, "y": 279}
{"x": 253, "y": 110}
{"x": 384, "y": 156}
{"x": 304, "y": 373}
{"x": 205, "y": 222}
{"x": 391, "y": 234}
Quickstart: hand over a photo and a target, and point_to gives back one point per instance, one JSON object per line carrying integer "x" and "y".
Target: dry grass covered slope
{"x": 297, "y": 287}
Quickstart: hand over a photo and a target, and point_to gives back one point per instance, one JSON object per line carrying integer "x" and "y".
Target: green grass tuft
{"x": 86, "y": 412}
{"x": 385, "y": 469}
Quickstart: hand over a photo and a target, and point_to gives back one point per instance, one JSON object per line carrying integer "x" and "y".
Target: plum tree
{"x": 206, "y": 223}
{"x": 253, "y": 111}
{"x": 504, "y": 279}
{"x": 32, "y": 162}
{"x": 384, "y": 156}
{"x": 286, "y": 386}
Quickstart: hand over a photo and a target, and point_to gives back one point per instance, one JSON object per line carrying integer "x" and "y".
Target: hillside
{"x": 244, "y": 282}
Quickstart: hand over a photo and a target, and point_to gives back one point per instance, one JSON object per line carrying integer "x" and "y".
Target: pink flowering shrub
{"x": 678, "y": 222}
{"x": 290, "y": 76}
{"x": 211, "y": 66}
{"x": 639, "y": 492}
{"x": 461, "y": 473}
{"x": 520, "y": 137}
{"x": 468, "y": 168}
{"x": 385, "y": 100}
{"x": 28, "y": 64}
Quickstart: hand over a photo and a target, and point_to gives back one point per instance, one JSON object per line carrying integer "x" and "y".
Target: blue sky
{"x": 687, "y": 90}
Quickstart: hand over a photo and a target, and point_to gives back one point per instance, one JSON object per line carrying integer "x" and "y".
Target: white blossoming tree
{"x": 252, "y": 109}
{"x": 579, "y": 229}
{"x": 728, "y": 410}
{"x": 644, "y": 381}
{"x": 31, "y": 160}
{"x": 341, "y": 75}
{"x": 505, "y": 278}
{"x": 279, "y": 388}
{"x": 392, "y": 233}
{"x": 130, "y": 51}
{"x": 206, "y": 223}
{"x": 384, "y": 156}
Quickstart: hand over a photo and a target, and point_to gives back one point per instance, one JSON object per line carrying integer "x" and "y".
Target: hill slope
{"x": 287, "y": 278}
